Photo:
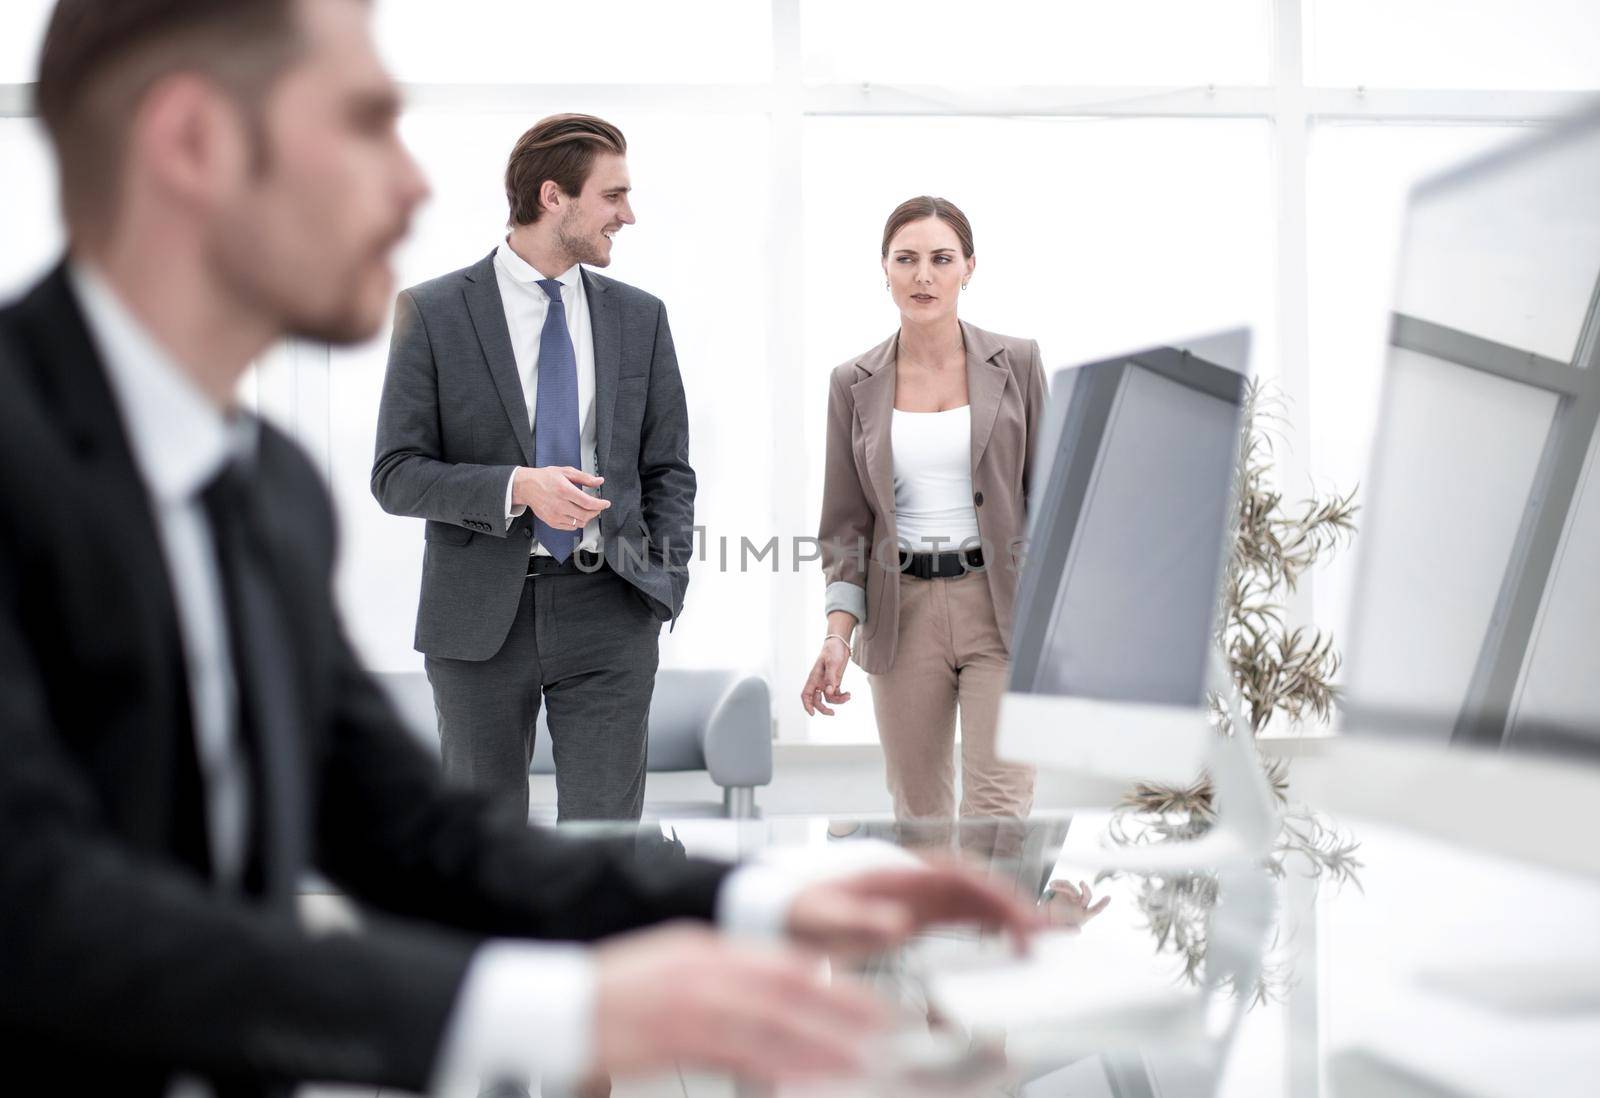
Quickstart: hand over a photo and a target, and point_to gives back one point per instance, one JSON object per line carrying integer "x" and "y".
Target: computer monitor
{"x": 1113, "y": 656}
{"x": 1476, "y": 620}
{"x": 1117, "y": 600}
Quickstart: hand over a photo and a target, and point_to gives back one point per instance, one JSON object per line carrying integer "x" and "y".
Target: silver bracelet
{"x": 837, "y": 637}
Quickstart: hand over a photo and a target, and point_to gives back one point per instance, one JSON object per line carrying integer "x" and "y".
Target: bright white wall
{"x": 1124, "y": 166}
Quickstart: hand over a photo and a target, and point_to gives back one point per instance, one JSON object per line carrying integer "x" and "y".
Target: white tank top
{"x": 933, "y": 479}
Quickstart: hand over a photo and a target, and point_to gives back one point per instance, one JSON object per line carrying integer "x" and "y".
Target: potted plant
{"x": 1281, "y": 676}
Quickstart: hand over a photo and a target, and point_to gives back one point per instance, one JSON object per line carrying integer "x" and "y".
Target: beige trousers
{"x": 949, "y": 657}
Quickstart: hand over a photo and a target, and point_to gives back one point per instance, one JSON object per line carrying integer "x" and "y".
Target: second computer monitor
{"x": 1116, "y": 610}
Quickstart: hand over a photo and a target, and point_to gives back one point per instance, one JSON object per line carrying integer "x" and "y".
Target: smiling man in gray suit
{"x": 533, "y": 415}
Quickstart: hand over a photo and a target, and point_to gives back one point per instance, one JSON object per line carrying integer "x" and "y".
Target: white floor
{"x": 834, "y": 779}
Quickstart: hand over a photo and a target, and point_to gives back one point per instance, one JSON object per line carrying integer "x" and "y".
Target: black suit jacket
{"x": 120, "y": 962}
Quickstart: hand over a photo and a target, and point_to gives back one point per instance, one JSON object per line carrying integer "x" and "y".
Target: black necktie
{"x": 260, "y": 643}
{"x": 190, "y": 830}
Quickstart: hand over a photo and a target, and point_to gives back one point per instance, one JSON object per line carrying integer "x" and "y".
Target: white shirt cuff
{"x": 512, "y": 513}
{"x": 755, "y": 899}
{"x": 524, "y": 1011}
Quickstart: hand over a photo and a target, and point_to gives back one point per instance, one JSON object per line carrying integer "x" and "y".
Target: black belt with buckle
{"x": 927, "y": 566}
{"x": 584, "y": 561}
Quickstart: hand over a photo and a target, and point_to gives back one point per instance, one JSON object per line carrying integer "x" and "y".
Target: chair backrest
{"x": 680, "y": 708}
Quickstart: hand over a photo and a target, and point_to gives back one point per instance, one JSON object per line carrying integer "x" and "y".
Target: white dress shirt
{"x": 526, "y": 307}
{"x": 525, "y": 1009}
{"x": 180, "y": 441}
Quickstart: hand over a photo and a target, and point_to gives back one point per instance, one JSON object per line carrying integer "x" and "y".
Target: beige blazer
{"x": 1006, "y": 388}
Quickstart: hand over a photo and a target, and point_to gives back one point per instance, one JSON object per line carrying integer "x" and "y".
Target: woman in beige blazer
{"x": 930, "y": 440}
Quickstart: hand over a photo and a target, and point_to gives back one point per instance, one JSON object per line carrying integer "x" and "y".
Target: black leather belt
{"x": 929, "y": 566}
{"x": 583, "y": 561}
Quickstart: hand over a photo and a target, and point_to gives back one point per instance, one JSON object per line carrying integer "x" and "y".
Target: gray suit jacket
{"x": 1006, "y": 388}
{"x": 453, "y": 425}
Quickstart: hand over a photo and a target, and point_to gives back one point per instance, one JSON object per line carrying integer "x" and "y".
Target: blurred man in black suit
{"x": 183, "y": 727}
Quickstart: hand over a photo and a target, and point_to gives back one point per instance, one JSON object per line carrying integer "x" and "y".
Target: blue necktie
{"x": 555, "y": 417}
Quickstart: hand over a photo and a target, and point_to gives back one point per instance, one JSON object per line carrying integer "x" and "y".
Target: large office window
{"x": 30, "y": 228}
{"x": 1458, "y": 44}
{"x": 947, "y": 43}
{"x": 1134, "y": 171}
{"x": 514, "y": 42}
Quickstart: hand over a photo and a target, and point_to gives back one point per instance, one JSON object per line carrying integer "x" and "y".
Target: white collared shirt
{"x": 180, "y": 441}
{"x": 525, "y": 1009}
{"x": 526, "y": 307}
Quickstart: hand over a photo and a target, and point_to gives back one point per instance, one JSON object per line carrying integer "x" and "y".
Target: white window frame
{"x": 295, "y": 387}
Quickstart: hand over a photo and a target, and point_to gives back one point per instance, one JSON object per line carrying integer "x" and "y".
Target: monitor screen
{"x": 1478, "y": 593}
{"x": 1133, "y": 497}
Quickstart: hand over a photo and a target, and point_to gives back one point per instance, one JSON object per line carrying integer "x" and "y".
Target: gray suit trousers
{"x": 587, "y": 646}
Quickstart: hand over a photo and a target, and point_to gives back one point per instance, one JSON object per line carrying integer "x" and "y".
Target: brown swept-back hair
{"x": 101, "y": 56}
{"x": 925, "y": 206}
{"x": 561, "y": 148}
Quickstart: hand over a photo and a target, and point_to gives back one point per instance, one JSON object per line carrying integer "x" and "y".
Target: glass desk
{"x": 1415, "y": 969}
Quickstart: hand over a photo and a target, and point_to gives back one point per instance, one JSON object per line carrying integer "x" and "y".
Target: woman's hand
{"x": 1070, "y": 907}
{"x": 827, "y": 675}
